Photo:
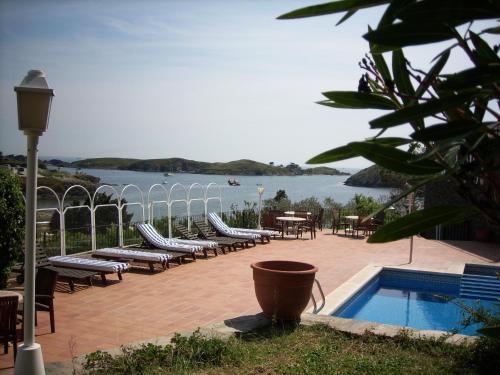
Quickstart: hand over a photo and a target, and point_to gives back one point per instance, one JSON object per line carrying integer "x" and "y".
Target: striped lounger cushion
{"x": 88, "y": 264}
{"x": 224, "y": 229}
{"x": 133, "y": 254}
{"x": 157, "y": 240}
{"x": 206, "y": 244}
{"x": 262, "y": 232}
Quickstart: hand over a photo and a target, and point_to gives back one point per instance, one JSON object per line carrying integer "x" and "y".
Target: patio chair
{"x": 147, "y": 257}
{"x": 206, "y": 232}
{"x": 153, "y": 238}
{"x": 45, "y": 286}
{"x": 337, "y": 222}
{"x": 362, "y": 225}
{"x": 309, "y": 225}
{"x": 269, "y": 220}
{"x": 63, "y": 274}
{"x": 8, "y": 323}
{"x": 319, "y": 218}
{"x": 101, "y": 267}
{"x": 224, "y": 229}
{"x": 188, "y": 235}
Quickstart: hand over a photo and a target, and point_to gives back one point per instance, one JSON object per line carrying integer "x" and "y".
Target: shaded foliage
{"x": 11, "y": 223}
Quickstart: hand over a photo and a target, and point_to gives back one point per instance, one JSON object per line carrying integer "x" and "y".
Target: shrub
{"x": 12, "y": 223}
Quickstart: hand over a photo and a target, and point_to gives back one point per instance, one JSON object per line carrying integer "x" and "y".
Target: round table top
{"x": 290, "y": 218}
{"x": 11, "y": 293}
{"x": 352, "y": 217}
{"x": 293, "y": 213}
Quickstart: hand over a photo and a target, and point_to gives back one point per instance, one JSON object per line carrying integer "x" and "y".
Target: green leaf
{"x": 403, "y": 83}
{"x": 404, "y": 34}
{"x": 329, "y": 103}
{"x": 354, "y": 99}
{"x": 450, "y": 12}
{"x": 419, "y": 111}
{"x": 345, "y": 152}
{"x": 492, "y": 30}
{"x": 432, "y": 74}
{"x": 392, "y": 10}
{"x": 401, "y": 75}
{"x": 478, "y": 76}
{"x": 380, "y": 63}
{"x": 394, "y": 159}
{"x": 419, "y": 221}
{"x": 335, "y": 154}
{"x": 345, "y": 17}
{"x": 331, "y": 7}
{"x": 493, "y": 331}
{"x": 447, "y": 130}
{"x": 483, "y": 49}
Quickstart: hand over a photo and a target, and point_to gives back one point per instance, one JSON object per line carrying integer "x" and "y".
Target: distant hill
{"x": 243, "y": 167}
{"x": 376, "y": 176}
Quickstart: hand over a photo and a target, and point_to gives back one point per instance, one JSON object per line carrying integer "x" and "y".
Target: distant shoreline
{"x": 242, "y": 167}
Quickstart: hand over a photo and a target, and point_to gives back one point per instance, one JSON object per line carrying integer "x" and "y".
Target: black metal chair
{"x": 8, "y": 323}
{"x": 45, "y": 286}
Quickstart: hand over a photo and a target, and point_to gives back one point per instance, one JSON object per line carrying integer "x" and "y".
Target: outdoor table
{"x": 11, "y": 293}
{"x": 353, "y": 219}
{"x": 289, "y": 219}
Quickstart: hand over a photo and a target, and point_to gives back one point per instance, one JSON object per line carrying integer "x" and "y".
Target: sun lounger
{"x": 101, "y": 266}
{"x": 224, "y": 229}
{"x": 208, "y": 233}
{"x": 186, "y": 234}
{"x": 134, "y": 255}
{"x": 155, "y": 239}
{"x": 63, "y": 274}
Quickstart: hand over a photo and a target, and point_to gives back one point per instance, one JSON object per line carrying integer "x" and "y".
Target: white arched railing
{"x": 172, "y": 201}
{"x": 208, "y": 198}
{"x": 194, "y": 193}
{"x": 57, "y": 209}
{"x": 190, "y": 200}
{"x": 116, "y": 205}
{"x": 64, "y": 209}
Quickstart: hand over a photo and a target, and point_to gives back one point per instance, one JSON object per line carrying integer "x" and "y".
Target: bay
{"x": 296, "y": 187}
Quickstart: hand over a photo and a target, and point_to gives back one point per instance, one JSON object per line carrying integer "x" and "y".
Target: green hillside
{"x": 243, "y": 167}
{"x": 375, "y": 176}
{"x": 103, "y": 163}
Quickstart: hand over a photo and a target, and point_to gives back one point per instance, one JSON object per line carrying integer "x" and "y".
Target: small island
{"x": 243, "y": 167}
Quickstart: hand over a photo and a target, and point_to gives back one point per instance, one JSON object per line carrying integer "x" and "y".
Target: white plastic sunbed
{"x": 151, "y": 235}
{"x": 223, "y": 228}
{"x": 137, "y": 256}
{"x": 101, "y": 266}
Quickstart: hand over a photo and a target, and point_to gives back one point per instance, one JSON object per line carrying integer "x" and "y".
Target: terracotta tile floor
{"x": 144, "y": 305}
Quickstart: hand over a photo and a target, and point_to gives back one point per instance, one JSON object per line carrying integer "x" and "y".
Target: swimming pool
{"x": 421, "y": 300}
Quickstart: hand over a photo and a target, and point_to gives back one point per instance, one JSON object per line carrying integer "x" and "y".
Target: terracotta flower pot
{"x": 283, "y": 288}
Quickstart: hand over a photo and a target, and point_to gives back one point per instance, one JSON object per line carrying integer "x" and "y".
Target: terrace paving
{"x": 145, "y": 306}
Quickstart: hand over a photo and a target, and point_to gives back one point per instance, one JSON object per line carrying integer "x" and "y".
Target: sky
{"x": 202, "y": 80}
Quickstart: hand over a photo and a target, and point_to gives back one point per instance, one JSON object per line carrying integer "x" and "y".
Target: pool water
{"x": 420, "y": 300}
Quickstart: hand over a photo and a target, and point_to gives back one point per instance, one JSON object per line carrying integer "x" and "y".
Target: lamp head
{"x": 34, "y": 98}
{"x": 260, "y": 189}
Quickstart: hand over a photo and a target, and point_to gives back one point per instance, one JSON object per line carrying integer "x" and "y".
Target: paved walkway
{"x": 144, "y": 305}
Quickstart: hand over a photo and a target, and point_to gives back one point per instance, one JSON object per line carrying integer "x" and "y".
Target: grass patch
{"x": 302, "y": 350}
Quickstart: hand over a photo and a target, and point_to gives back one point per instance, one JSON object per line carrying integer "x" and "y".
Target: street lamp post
{"x": 33, "y": 107}
{"x": 260, "y": 191}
